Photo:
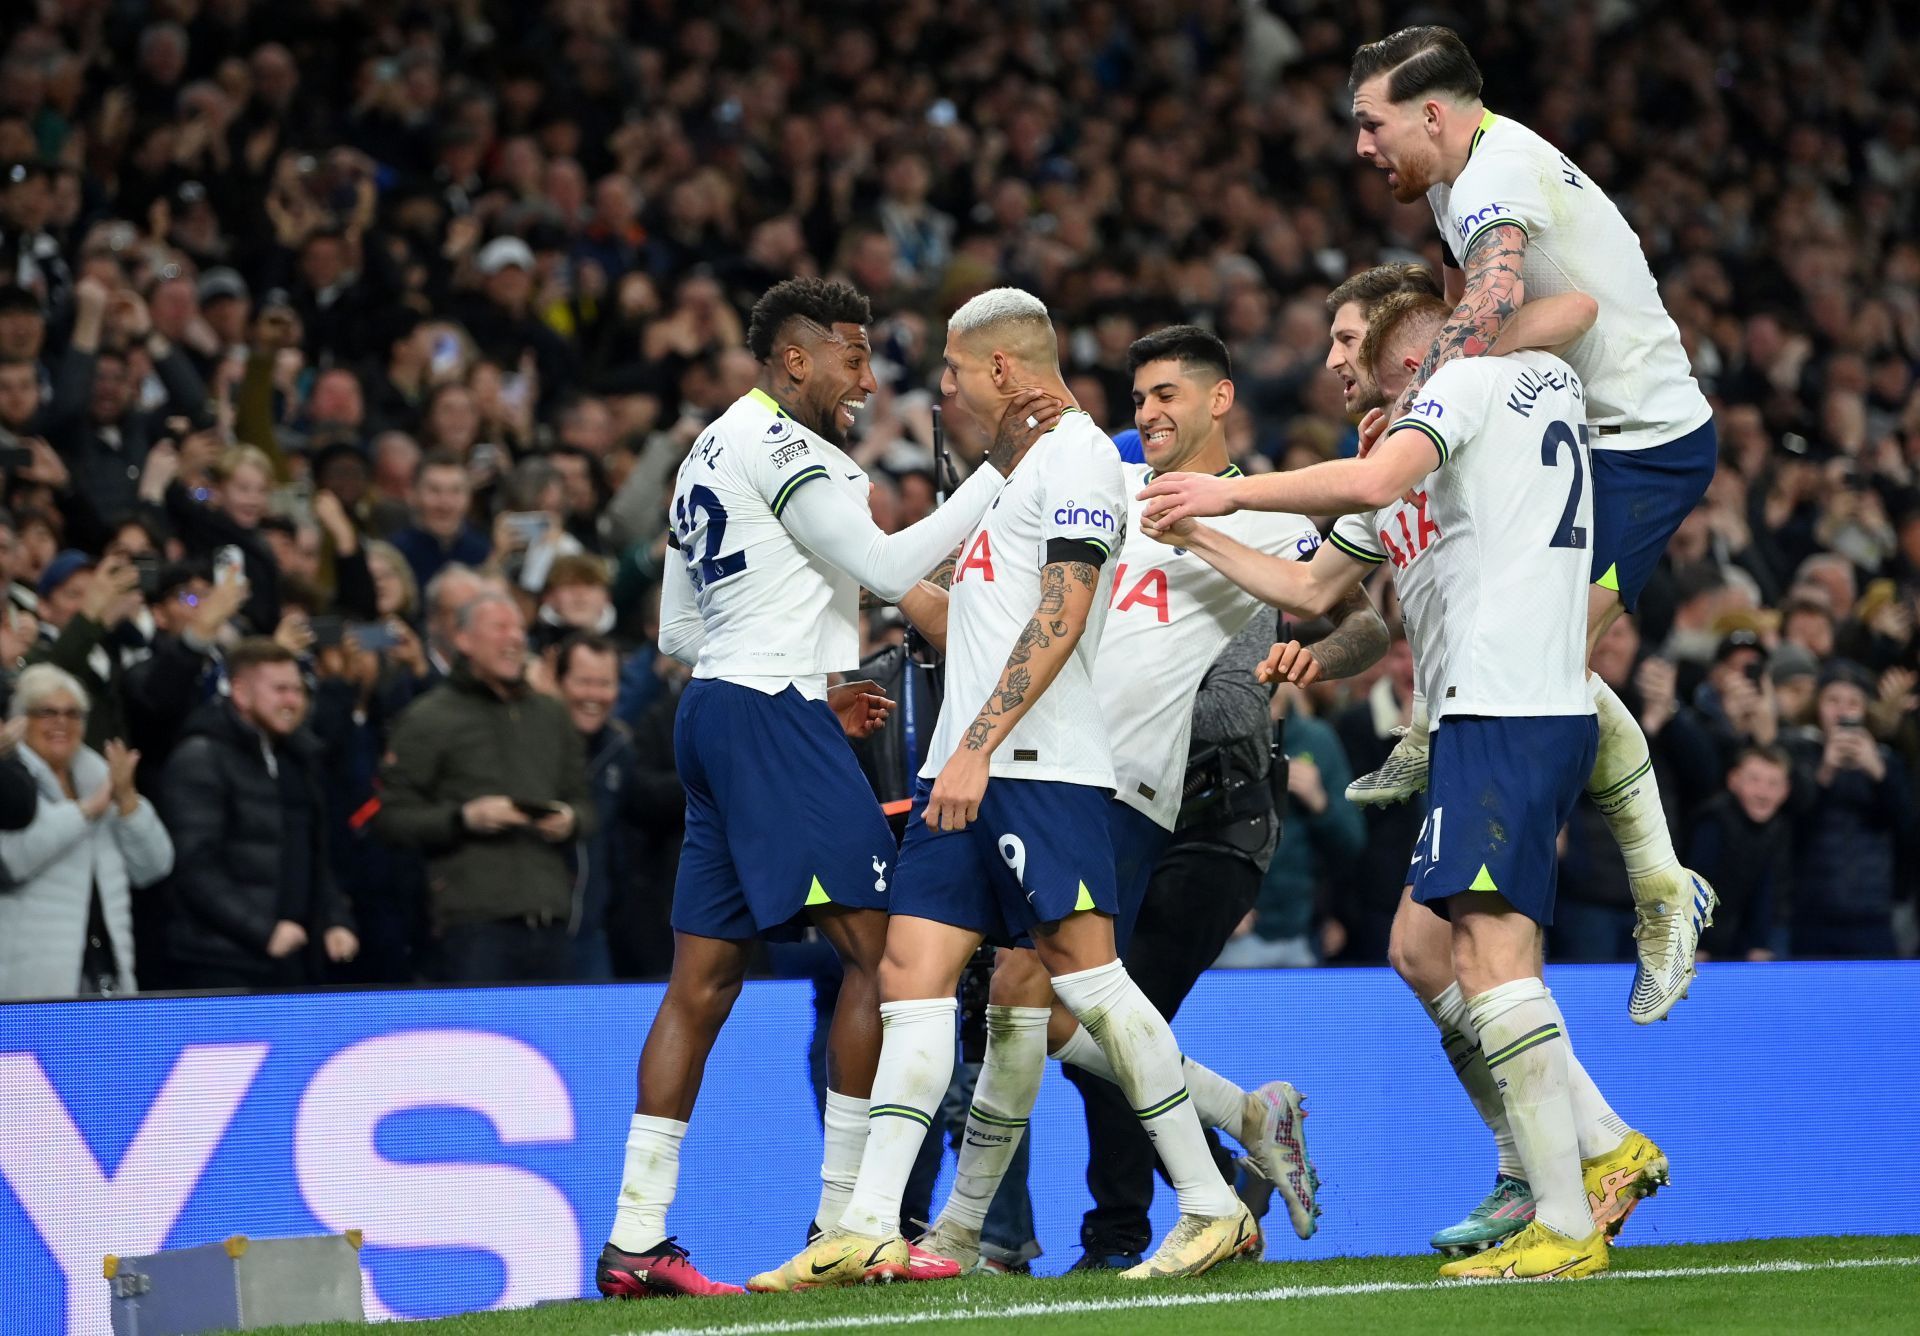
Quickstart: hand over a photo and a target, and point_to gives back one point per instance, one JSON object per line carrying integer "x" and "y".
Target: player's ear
{"x": 1222, "y": 398}
{"x": 1001, "y": 369}
{"x": 796, "y": 362}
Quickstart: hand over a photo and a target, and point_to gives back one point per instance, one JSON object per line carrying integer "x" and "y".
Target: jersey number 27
{"x": 710, "y": 568}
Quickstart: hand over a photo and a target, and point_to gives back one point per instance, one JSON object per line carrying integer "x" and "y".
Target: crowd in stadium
{"x": 319, "y": 318}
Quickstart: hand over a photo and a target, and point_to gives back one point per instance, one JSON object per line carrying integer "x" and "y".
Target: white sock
{"x": 1146, "y": 1065}
{"x": 1081, "y": 1051}
{"x": 1417, "y": 720}
{"x": 916, "y": 1066}
{"x": 647, "y": 1182}
{"x": 1527, "y": 1052}
{"x": 1462, "y": 1044}
{"x": 1598, "y": 1127}
{"x": 846, "y": 1141}
{"x": 1622, "y": 786}
{"x": 1219, "y": 1102}
{"x": 1003, "y": 1099}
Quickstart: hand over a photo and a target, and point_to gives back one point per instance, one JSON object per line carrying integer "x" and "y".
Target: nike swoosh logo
{"x": 819, "y": 1270}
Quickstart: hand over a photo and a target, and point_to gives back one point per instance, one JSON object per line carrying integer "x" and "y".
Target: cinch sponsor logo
{"x": 1473, "y": 220}
{"x": 1072, "y": 514}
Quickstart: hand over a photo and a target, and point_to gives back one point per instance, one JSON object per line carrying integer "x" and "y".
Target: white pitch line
{"x": 1276, "y": 1294}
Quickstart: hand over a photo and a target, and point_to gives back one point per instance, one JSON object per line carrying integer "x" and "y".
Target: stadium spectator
{"x": 1743, "y": 844}
{"x": 440, "y": 534}
{"x": 258, "y": 904}
{"x": 184, "y": 669}
{"x": 84, "y": 613}
{"x": 488, "y": 780}
{"x": 66, "y": 920}
{"x": 586, "y": 677}
{"x": 1852, "y": 801}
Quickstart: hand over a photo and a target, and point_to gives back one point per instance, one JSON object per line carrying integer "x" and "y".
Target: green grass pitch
{"x": 1774, "y": 1285}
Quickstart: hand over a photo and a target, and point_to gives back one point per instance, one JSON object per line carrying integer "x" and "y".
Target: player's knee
{"x": 707, "y": 999}
{"x": 1489, "y": 950}
{"x": 1019, "y": 980}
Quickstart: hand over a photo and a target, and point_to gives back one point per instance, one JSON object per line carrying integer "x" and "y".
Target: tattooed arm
{"x": 1066, "y": 597}
{"x": 925, "y": 605}
{"x": 1357, "y": 641}
{"x": 1493, "y": 292}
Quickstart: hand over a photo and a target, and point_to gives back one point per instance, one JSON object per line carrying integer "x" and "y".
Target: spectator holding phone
{"x": 488, "y": 779}
{"x": 257, "y": 905}
{"x": 83, "y": 610}
{"x": 1852, "y": 801}
{"x": 184, "y": 671}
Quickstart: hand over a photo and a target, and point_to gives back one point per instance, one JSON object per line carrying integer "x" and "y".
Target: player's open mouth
{"x": 1158, "y": 436}
{"x": 850, "y": 409}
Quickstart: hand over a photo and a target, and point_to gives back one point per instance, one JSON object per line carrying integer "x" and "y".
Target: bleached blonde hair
{"x": 1016, "y": 321}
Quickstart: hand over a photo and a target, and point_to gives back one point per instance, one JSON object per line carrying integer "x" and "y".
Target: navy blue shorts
{"x": 1498, "y": 792}
{"x": 779, "y": 817}
{"x": 1639, "y": 499}
{"x": 1038, "y": 852}
{"x": 1138, "y": 842}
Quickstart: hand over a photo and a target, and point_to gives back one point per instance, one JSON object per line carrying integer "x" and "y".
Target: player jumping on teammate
{"x": 1523, "y": 217}
{"x": 1488, "y": 473}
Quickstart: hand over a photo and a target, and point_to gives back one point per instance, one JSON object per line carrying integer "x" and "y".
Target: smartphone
{"x": 536, "y": 810}
{"x": 328, "y": 631}
{"x": 229, "y": 563}
{"x": 529, "y": 525}
{"x": 446, "y": 353}
{"x": 15, "y": 457}
{"x": 374, "y": 637}
{"x": 1858, "y": 721}
{"x": 513, "y": 390}
{"x": 483, "y": 461}
{"x": 147, "y": 569}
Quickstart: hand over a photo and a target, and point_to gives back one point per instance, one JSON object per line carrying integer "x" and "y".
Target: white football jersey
{"x": 1639, "y": 382}
{"x": 1069, "y": 486}
{"x": 775, "y": 613}
{"x": 1493, "y": 555}
{"x": 1171, "y": 615}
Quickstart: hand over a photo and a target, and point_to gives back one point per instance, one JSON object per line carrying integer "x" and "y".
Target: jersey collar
{"x": 1487, "y": 119}
{"x": 766, "y": 401}
{"x": 1230, "y": 471}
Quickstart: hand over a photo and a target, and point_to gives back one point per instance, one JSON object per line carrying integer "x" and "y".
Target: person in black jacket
{"x": 1742, "y": 842}
{"x": 257, "y": 903}
{"x": 19, "y": 795}
{"x": 1851, "y": 802}
{"x": 183, "y": 671}
{"x": 586, "y": 672}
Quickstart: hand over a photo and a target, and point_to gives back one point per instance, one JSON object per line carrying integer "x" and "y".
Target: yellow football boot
{"x": 836, "y": 1259}
{"x": 1535, "y": 1253}
{"x": 1198, "y": 1243}
{"x": 1616, "y": 1181}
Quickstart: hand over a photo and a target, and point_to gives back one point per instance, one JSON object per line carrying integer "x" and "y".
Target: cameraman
{"x": 1851, "y": 801}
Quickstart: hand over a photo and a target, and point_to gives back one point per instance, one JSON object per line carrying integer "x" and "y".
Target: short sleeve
{"x": 779, "y": 463}
{"x": 1353, "y": 536}
{"x": 1083, "y": 496}
{"x": 1452, "y": 406}
{"x": 1498, "y": 186}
